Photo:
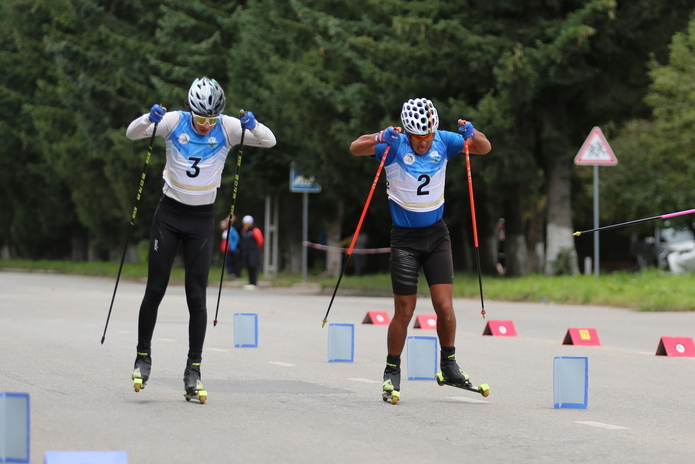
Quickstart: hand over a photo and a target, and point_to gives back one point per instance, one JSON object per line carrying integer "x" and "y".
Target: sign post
{"x": 596, "y": 152}
{"x": 305, "y": 185}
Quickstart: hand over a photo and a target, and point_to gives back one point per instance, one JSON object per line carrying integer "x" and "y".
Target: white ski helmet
{"x": 419, "y": 116}
{"x": 206, "y": 97}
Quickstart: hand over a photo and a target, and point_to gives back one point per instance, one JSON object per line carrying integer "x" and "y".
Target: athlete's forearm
{"x": 364, "y": 145}
{"x": 479, "y": 144}
{"x": 142, "y": 127}
{"x": 261, "y": 136}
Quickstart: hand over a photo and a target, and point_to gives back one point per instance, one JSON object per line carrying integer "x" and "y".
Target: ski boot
{"x": 193, "y": 387}
{"x": 451, "y": 374}
{"x": 392, "y": 383}
{"x": 141, "y": 371}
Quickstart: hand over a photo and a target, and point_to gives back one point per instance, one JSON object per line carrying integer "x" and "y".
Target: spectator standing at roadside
{"x": 229, "y": 246}
{"x": 251, "y": 245}
{"x": 500, "y": 238}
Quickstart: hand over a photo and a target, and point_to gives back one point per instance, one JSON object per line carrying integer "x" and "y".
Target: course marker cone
{"x": 676, "y": 346}
{"x": 577, "y": 336}
{"x": 500, "y": 328}
{"x": 425, "y": 321}
{"x": 377, "y": 318}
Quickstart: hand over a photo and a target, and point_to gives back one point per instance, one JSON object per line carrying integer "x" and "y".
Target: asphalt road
{"x": 283, "y": 402}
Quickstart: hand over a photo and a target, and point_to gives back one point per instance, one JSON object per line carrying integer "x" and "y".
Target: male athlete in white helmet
{"x": 197, "y": 144}
{"x": 415, "y": 171}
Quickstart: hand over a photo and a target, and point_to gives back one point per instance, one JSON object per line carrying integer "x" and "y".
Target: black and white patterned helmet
{"x": 419, "y": 116}
{"x": 206, "y": 97}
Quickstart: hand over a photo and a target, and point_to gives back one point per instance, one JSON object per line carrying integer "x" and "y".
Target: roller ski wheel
{"x": 483, "y": 389}
{"x": 141, "y": 372}
{"x": 390, "y": 395}
{"x": 138, "y": 383}
{"x": 193, "y": 387}
{"x": 198, "y": 392}
{"x": 391, "y": 388}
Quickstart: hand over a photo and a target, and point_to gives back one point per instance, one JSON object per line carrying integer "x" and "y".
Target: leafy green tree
{"x": 656, "y": 153}
{"x": 566, "y": 67}
{"x": 37, "y": 218}
{"x": 534, "y": 76}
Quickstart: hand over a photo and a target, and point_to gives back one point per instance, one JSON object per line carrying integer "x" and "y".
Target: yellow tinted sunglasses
{"x": 203, "y": 119}
{"x": 422, "y": 138}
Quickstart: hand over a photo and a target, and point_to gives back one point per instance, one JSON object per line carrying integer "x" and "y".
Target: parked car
{"x": 667, "y": 241}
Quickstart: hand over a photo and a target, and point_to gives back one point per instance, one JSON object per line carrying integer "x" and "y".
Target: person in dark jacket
{"x": 251, "y": 245}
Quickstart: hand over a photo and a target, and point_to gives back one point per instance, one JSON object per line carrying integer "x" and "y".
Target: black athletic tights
{"x": 193, "y": 226}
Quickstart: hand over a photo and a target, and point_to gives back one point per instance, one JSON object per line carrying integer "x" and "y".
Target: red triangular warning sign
{"x": 595, "y": 151}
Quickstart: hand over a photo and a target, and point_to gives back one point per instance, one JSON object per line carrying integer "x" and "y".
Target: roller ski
{"x": 392, "y": 383}
{"x": 483, "y": 388}
{"x": 141, "y": 370}
{"x": 193, "y": 387}
{"x": 451, "y": 374}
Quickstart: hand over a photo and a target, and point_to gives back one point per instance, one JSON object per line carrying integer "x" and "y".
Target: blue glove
{"x": 157, "y": 112}
{"x": 248, "y": 121}
{"x": 466, "y": 129}
{"x": 388, "y": 135}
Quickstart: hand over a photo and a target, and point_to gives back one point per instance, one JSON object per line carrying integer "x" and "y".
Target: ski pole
{"x": 475, "y": 227}
{"x": 357, "y": 231}
{"x": 637, "y": 221}
{"x": 132, "y": 223}
{"x": 242, "y": 113}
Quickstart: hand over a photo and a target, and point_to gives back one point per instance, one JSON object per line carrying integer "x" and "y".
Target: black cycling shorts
{"x": 427, "y": 248}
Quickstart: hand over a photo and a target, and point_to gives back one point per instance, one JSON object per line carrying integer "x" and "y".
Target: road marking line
{"x": 466, "y": 400}
{"x": 278, "y": 363}
{"x": 601, "y": 425}
{"x": 218, "y": 349}
{"x": 357, "y": 379}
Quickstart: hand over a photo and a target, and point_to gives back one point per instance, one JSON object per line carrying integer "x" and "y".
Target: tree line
{"x": 535, "y": 76}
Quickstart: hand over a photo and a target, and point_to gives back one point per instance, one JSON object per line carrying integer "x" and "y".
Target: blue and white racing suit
{"x": 192, "y": 175}
{"x": 415, "y": 187}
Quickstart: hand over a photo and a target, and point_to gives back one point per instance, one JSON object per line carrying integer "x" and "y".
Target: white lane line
{"x": 464, "y": 399}
{"x": 357, "y": 379}
{"x": 278, "y": 363}
{"x": 218, "y": 349}
{"x": 601, "y": 425}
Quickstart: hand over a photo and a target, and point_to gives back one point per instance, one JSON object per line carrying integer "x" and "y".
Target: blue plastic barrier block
{"x": 341, "y": 342}
{"x": 245, "y": 330}
{"x": 15, "y": 427}
{"x": 571, "y": 382}
{"x": 84, "y": 457}
{"x": 422, "y": 358}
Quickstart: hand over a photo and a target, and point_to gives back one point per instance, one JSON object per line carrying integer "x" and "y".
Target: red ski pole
{"x": 357, "y": 231}
{"x": 475, "y": 227}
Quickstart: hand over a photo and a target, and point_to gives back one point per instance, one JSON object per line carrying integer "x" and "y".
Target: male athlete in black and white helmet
{"x": 419, "y": 117}
{"x": 197, "y": 144}
{"x": 206, "y": 97}
{"x": 415, "y": 168}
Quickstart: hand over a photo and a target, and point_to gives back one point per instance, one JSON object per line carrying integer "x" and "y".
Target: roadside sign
{"x": 302, "y": 184}
{"x": 595, "y": 151}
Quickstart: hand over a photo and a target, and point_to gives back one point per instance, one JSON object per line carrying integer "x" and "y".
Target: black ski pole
{"x": 242, "y": 113}
{"x": 132, "y": 222}
{"x": 636, "y": 221}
